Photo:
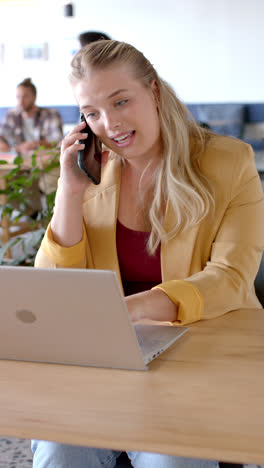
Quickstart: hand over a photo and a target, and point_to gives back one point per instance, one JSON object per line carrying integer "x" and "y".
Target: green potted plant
{"x": 18, "y": 183}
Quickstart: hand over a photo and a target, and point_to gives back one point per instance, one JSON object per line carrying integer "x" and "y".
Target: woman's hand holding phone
{"x": 90, "y": 158}
{"x": 72, "y": 179}
{"x": 67, "y": 220}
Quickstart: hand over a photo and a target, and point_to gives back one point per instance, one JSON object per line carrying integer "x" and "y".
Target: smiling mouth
{"x": 123, "y": 138}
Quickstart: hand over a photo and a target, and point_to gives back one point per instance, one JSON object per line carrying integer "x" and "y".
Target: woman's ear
{"x": 155, "y": 90}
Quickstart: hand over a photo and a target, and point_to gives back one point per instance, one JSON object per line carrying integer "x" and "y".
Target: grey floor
{"x": 15, "y": 453}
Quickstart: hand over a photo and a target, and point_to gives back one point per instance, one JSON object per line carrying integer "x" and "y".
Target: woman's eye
{"x": 121, "y": 103}
{"x": 91, "y": 115}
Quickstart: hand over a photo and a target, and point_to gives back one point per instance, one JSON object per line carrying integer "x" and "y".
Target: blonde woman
{"x": 178, "y": 213}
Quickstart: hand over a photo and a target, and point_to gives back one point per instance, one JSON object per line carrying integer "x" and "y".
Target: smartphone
{"x": 89, "y": 159}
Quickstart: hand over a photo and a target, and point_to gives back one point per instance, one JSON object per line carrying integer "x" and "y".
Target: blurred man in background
{"x": 27, "y": 127}
{"x": 24, "y": 130}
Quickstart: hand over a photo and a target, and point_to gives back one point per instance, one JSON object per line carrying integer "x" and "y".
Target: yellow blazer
{"x": 208, "y": 269}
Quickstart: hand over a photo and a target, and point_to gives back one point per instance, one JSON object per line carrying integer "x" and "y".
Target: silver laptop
{"x": 72, "y": 316}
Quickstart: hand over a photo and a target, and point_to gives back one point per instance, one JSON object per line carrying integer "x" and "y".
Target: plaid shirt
{"x": 47, "y": 126}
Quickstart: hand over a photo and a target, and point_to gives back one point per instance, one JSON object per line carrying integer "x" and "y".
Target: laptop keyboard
{"x": 153, "y": 338}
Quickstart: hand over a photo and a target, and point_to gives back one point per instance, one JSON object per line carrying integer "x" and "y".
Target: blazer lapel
{"x": 100, "y": 213}
{"x": 173, "y": 265}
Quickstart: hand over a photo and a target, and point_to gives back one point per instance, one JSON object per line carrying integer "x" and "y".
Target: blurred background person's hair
{"x": 27, "y": 83}
{"x": 92, "y": 36}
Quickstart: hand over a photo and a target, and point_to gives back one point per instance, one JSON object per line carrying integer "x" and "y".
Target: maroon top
{"x": 139, "y": 270}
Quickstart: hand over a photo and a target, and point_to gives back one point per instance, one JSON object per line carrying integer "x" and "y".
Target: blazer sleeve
{"x": 53, "y": 255}
{"x": 227, "y": 281}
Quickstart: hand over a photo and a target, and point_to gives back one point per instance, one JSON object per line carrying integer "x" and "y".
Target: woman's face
{"x": 121, "y": 112}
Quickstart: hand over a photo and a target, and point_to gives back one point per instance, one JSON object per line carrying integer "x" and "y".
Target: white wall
{"x": 209, "y": 50}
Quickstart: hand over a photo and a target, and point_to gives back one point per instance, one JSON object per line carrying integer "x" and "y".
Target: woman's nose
{"x": 111, "y": 121}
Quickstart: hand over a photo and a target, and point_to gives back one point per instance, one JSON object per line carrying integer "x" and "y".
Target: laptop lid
{"x": 67, "y": 316}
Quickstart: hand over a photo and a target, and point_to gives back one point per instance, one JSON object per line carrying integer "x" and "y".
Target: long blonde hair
{"x": 178, "y": 180}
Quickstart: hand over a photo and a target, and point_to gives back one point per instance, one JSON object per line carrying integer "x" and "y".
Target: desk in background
{"x": 47, "y": 184}
{"x": 21, "y": 227}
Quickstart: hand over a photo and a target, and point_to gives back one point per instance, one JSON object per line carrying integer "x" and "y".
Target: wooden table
{"x": 202, "y": 398}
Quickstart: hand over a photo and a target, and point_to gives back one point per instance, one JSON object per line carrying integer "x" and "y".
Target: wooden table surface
{"x": 203, "y": 398}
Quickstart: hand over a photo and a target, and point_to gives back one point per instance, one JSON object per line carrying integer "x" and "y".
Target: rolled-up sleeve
{"x": 53, "y": 255}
